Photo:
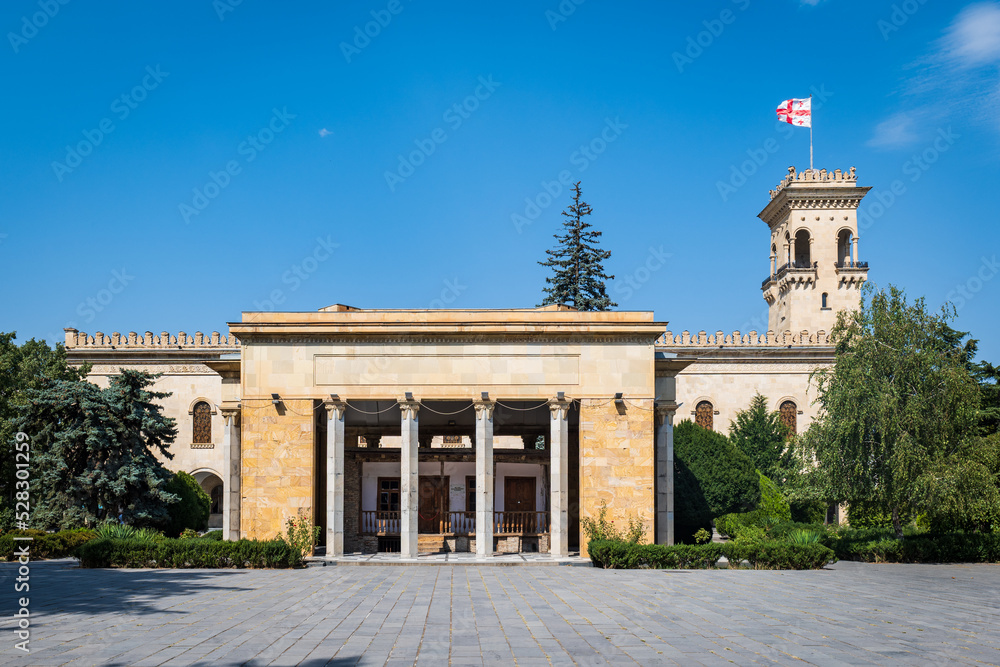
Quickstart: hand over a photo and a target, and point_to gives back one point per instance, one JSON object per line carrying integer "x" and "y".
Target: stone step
{"x": 430, "y": 544}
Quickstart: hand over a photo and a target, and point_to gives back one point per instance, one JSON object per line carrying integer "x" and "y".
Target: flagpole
{"x": 810, "y": 135}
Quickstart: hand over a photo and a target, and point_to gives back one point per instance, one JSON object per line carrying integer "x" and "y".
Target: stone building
{"x": 485, "y": 430}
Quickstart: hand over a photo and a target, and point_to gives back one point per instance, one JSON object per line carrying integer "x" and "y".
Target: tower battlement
{"x": 815, "y": 176}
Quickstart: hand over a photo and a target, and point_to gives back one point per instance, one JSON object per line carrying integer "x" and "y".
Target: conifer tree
{"x": 577, "y": 262}
{"x": 761, "y": 435}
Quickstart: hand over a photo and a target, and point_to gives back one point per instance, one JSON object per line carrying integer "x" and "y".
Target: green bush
{"x": 772, "y": 509}
{"x": 801, "y": 536}
{"x": 212, "y": 535}
{"x": 191, "y": 553}
{"x": 808, "y": 511}
{"x": 192, "y": 508}
{"x": 765, "y": 556}
{"x": 120, "y": 531}
{"x": 603, "y": 529}
{"x": 881, "y": 546}
{"x": 45, "y": 545}
{"x": 712, "y": 478}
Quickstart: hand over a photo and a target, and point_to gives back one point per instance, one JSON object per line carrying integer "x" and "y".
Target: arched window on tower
{"x": 703, "y": 414}
{"x": 201, "y": 428}
{"x": 825, "y": 296}
{"x": 844, "y": 248}
{"x": 802, "y": 258}
{"x": 789, "y": 415}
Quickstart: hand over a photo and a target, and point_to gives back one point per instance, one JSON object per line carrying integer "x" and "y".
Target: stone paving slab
{"x": 847, "y": 614}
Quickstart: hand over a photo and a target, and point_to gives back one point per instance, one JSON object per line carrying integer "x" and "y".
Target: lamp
{"x": 409, "y": 396}
{"x": 334, "y": 397}
{"x": 560, "y": 395}
{"x": 485, "y": 395}
{"x": 620, "y": 403}
{"x": 275, "y": 399}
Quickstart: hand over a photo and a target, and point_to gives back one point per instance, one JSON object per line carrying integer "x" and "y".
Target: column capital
{"x": 484, "y": 408}
{"x": 559, "y": 409}
{"x": 409, "y": 409}
{"x": 230, "y": 410}
{"x": 335, "y": 409}
{"x": 665, "y": 410}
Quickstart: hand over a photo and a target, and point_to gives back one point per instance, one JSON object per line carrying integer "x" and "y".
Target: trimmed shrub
{"x": 881, "y": 546}
{"x": 212, "y": 535}
{"x": 46, "y": 545}
{"x": 772, "y": 509}
{"x": 765, "y": 556}
{"x": 177, "y": 553}
{"x": 712, "y": 478}
{"x": 192, "y": 507}
{"x": 121, "y": 531}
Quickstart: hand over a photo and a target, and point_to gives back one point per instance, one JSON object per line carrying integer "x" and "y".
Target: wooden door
{"x": 519, "y": 505}
{"x": 432, "y": 504}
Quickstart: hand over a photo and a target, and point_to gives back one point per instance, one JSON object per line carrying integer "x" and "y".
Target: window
{"x": 388, "y": 494}
{"x": 201, "y": 429}
{"x": 844, "y": 247}
{"x": 703, "y": 415}
{"x": 216, "y": 497}
{"x": 470, "y": 494}
{"x": 802, "y": 258}
{"x": 825, "y": 295}
{"x": 789, "y": 414}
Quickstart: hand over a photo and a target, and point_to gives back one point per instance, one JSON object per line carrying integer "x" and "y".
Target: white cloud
{"x": 325, "y": 132}
{"x": 957, "y": 79}
{"x": 895, "y": 132}
{"x": 974, "y": 36}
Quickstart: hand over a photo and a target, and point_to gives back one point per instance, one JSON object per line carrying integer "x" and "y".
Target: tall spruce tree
{"x": 761, "y": 435}
{"x": 93, "y": 452}
{"x": 577, "y": 262}
{"x": 22, "y": 368}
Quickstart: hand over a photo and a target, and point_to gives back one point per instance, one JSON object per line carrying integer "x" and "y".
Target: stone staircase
{"x": 430, "y": 544}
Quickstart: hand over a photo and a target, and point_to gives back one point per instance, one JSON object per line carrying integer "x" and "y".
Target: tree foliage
{"x": 192, "y": 507}
{"x": 577, "y": 262}
{"x": 897, "y": 404}
{"x": 23, "y": 368}
{"x": 92, "y": 452}
{"x": 772, "y": 509}
{"x": 762, "y": 436}
{"x": 711, "y": 478}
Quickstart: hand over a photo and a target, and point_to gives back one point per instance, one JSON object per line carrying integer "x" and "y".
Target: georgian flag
{"x": 796, "y": 112}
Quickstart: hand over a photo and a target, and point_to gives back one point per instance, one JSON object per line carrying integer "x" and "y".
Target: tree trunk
{"x": 897, "y": 525}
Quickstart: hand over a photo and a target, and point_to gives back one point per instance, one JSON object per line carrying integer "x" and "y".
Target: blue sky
{"x": 167, "y": 168}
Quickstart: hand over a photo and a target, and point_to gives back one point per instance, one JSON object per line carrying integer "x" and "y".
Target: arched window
{"x": 703, "y": 415}
{"x": 216, "y": 497}
{"x": 844, "y": 247}
{"x": 201, "y": 429}
{"x": 789, "y": 413}
{"x": 802, "y": 258}
{"x": 825, "y": 295}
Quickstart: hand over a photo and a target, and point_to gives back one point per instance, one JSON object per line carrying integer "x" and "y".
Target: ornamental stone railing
{"x": 737, "y": 339}
{"x": 79, "y": 339}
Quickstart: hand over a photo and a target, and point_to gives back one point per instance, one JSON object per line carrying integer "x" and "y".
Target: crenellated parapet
{"x": 148, "y": 340}
{"x": 817, "y": 177}
{"x": 751, "y": 339}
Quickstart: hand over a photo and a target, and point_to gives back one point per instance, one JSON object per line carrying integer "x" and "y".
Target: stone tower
{"x": 815, "y": 271}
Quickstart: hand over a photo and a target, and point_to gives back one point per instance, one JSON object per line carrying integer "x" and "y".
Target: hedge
{"x": 45, "y": 544}
{"x": 192, "y": 507}
{"x": 712, "y": 478}
{"x": 768, "y": 556}
{"x": 871, "y": 547}
{"x": 772, "y": 509}
{"x": 177, "y": 553}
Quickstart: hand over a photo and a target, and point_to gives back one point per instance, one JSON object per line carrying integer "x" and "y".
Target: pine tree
{"x": 577, "y": 262}
{"x": 93, "y": 452}
{"x": 761, "y": 435}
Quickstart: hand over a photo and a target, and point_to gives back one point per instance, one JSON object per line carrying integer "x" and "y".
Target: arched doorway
{"x": 211, "y": 483}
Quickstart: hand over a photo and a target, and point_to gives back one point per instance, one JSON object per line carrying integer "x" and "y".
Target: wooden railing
{"x": 517, "y": 523}
{"x": 380, "y": 523}
{"x": 459, "y": 523}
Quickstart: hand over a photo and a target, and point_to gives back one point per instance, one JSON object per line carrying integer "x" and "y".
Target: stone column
{"x": 791, "y": 251}
{"x": 484, "y": 478}
{"x": 409, "y": 479}
{"x": 334, "y": 477}
{"x": 854, "y": 249}
{"x": 559, "y": 488}
{"x": 773, "y": 265}
{"x": 665, "y": 472}
{"x": 231, "y": 477}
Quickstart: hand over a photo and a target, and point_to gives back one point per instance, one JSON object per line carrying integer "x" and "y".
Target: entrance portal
{"x": 433, "y": 504}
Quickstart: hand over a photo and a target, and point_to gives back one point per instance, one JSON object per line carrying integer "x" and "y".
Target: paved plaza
{"x": 850, "y": 613}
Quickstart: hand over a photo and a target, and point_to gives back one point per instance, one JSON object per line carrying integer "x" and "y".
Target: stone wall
{"x": 278, "y": 464}
{"x": 617, "y": 462}
{"x": 353, "y": 542}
